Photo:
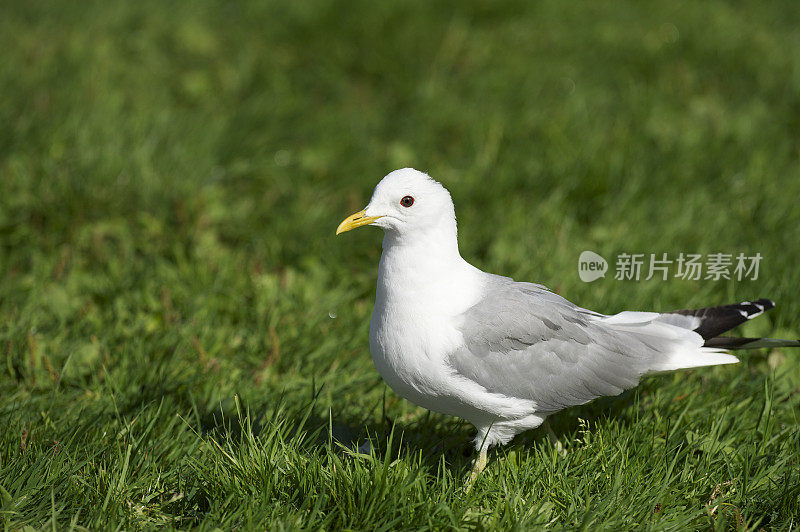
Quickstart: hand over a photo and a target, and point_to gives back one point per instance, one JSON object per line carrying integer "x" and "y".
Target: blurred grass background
{"x": 171, "y": 176}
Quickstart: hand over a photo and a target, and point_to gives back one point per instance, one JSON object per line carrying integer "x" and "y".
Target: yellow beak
{"x": 355, "y": 220}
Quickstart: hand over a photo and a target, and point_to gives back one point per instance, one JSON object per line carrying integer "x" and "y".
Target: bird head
{"x": 405, "y": 202}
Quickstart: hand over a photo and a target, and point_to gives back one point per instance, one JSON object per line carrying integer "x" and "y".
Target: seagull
{"x": 503, "y": 354}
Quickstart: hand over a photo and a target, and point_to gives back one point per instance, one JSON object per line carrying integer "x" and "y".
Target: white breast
{"x": 413, "y": 325}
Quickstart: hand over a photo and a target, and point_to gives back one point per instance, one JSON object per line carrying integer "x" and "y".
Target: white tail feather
{"x": 677, "y": 347}
{"x": 696, "y": 358}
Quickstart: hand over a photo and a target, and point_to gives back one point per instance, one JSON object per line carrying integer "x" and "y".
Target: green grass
{"x": 183, "y": 341}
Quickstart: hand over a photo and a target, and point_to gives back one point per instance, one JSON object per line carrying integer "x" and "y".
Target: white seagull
{"x": 504, "y": 354}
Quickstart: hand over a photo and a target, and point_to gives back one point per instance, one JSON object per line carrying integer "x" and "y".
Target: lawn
{"x": 183, "y": 340}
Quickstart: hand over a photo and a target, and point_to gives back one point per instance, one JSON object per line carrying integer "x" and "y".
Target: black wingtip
{"x": 716, "y": 320}
{"x": 732, "y": 342}
{"x": 764, "y": 302}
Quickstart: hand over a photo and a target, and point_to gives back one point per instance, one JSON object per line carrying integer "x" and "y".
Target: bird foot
{"x": 554, "y": 439}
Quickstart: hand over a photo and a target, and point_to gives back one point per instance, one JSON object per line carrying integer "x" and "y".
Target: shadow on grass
{"x": 434, "y": 437}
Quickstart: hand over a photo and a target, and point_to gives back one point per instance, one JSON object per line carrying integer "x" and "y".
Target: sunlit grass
{"x": 183, "y": 341}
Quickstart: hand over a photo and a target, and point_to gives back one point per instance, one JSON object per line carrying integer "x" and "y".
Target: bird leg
{"x": 553, "y": 438}
{"x": 478, "y": 465}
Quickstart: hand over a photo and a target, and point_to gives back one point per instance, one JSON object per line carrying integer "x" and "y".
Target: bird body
{"x": 499, "y": 353}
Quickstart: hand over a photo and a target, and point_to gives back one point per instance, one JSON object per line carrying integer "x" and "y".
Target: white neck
{"x": 439, "y": 241}
{"x": 426, "y": 268}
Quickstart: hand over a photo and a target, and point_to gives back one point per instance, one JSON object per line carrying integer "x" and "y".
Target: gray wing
{"x": 527, "y": 342}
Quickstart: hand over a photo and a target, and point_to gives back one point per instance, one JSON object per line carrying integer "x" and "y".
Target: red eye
{"x": 407, "y": 201}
